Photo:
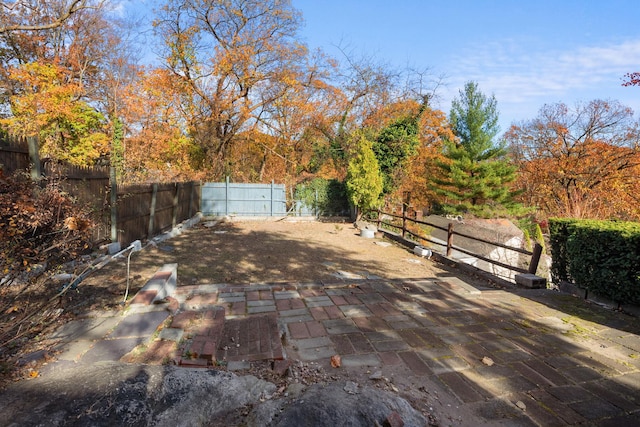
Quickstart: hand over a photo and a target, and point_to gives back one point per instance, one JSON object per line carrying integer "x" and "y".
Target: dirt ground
{"x": 239, "y": 252}
{"x": 255, "y": 252}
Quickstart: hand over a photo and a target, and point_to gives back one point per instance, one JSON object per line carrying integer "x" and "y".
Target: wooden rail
{"x": 450, "y": 246}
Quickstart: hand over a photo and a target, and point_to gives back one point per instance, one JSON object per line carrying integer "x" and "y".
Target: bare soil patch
{"x": 258, "y": 252}
{"x": 235, "y": 253}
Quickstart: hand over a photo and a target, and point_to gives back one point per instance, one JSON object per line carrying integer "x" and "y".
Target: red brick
{"x": 298, "y": 330}
{"x": 209, "y": 350}
{"x": 310, "y": 292}
{"x": 391, "y": 310}
{"x": 215, "y": 313}
{"x": 184, "y": 320}
{"x": 411, "y": 338}
{"x": 342, "y": 344}
{"x": 393, "y": 420}
{"x": 144, "y": 297}
{"x": 414, "y": 363}
{"x": 360, "y": 343}
{"x": 253, "y": 296}
{"x": 173, "y": 306}
{"x": 194, "y": 363}
{"x": 316, "y": 329}
{"x": 238, "y": 308}
{"x": 318, "y": 313}
{"x": 334, "y": 312}
{"x": 297, "y": 303}
{"x": 283, "y": 304}
{"x": 266, "y": 295}
{"x": 352, "y": 300}
{"x": 371, "y": 324}
{"x": 461, "y": 388}
{"x": 184, "y": 290}
{"x": 389, "y": 358}
{"x": 338, "y": 300}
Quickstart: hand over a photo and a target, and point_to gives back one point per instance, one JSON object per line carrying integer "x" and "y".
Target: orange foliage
{"x": 434, "y": 129}
{"x": 581, "y": 163}
{"x": 157, "y": 146}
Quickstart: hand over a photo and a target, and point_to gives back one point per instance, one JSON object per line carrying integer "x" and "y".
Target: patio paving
{"x": 536, "y": 356}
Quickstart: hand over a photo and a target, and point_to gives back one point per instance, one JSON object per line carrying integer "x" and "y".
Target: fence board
{"x": 241, "y": 199}
{"x": 14, "y": 154}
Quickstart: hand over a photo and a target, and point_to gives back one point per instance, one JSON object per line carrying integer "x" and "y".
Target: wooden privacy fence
{"x": 143, "y": 211}
{"x": 124, "y": 215}
{"x": 404, "y": 221}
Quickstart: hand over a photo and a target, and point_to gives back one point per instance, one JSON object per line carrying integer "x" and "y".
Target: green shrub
{"x": 331, "y": 196}
{"x": 600, "y": 256}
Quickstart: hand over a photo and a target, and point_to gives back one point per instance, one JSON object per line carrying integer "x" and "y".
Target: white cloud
{"x": 524, "y": 75}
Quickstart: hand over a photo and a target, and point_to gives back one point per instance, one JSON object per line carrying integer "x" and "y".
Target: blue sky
{"x": 526, "y": 53}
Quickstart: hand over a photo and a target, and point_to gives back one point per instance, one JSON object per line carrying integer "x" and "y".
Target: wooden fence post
{"x": 152, "y": 210}
{"x": 449, "y": 239}
{"x": 176, "y": 196}
{"x": 193, "y": 186}
{"x": 113, "y": 200}
{"x": 535, "y": 258}
{"x": 405, "y": 205}
{"x": 34, "y": 157}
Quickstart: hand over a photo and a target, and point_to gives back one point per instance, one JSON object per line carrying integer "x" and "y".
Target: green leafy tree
{"x": 395, "y": 144}
{"x": 476, "y": 169}
{"x": 117, "y": 147}
{"x": 364, "y": 180}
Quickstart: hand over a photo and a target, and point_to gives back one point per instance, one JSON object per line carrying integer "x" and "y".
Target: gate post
{"x": 449, "y": 239}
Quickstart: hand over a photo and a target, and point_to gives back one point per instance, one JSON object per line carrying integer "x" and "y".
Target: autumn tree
{"x": 64, "y": 48}
{"x": 235, "y": 58}
{"x": 476, "y": 170}
{"x": 364, "y": 87}
{"x": 283, "y": 145}
{"x": 157, "y": 144}
{"x": 581, "y": 162}
{"x": 364, "y": 180}
{"x": 632, "y": 79}
{"x": 69, "y": 129}
{"x": 434, "y": 130}
{"x": 52, "y": 14}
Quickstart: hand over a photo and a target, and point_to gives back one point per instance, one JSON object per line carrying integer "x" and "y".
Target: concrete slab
{"x": 361, "y": 360}
{"x": 86, "y": 329}
{"x": 139, "y": 325}
{"x": 111, "y": 350}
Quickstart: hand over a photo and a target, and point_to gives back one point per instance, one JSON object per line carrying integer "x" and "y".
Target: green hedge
{"x": 600, "y": 256}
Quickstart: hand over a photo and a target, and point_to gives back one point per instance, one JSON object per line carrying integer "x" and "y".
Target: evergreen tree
{"x": 477, "y": 171}
{"x": 364, "y": 180}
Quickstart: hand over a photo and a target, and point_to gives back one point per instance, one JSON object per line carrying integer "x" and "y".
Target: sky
{"x": 527, "y": 53}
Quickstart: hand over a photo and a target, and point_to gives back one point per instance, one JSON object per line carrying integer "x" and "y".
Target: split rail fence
{"x": 403, "y": 223}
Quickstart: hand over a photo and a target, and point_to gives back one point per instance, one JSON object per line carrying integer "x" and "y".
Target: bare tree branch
{"x": 72, "y": 8}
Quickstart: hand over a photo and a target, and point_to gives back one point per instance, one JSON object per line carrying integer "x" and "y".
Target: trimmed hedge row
{"x": 600, "y": 256}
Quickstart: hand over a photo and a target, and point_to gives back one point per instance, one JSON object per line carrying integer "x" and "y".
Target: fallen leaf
{"x": 336, "y": 362}
{"x": 487, "y": 361}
